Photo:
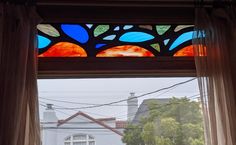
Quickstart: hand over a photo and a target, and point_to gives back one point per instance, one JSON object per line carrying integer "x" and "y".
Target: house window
{"x": 80, "y": 139}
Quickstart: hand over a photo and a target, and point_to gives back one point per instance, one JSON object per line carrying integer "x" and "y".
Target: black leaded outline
{"x": 91, "y": 51}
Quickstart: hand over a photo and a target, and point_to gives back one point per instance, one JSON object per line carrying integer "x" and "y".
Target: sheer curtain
{"x": 214, "y": 57}
{"x": 19, "y": 122}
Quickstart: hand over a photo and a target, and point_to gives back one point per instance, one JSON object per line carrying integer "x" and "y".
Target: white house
{"x": 80, "y": 129}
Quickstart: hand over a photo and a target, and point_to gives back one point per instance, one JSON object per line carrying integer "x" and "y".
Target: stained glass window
{"x": 111, "y": 40}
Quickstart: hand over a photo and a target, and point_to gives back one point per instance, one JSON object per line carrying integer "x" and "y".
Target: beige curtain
{"x": 215, "y": 49}
{"x": 19, "y": 122}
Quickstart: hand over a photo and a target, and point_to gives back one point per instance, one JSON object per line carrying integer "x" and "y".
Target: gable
{"x": 83, "y": 120}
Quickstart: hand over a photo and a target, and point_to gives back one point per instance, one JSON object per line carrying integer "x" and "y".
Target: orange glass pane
{"x": 186, "y": 51}
{"x": 125, "y": 51}
{"x": 64, "y": 49}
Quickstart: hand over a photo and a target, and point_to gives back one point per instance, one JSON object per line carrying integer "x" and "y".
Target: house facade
{"x": 80, "y": 129}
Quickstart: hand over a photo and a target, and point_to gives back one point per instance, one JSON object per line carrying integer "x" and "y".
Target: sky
{"x": 106, "y": 90}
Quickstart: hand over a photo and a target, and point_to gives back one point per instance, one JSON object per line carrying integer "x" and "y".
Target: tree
{"x": 132, "y": 135}
{"x": 178, "y": 122}
{"x": 148, "y": 133}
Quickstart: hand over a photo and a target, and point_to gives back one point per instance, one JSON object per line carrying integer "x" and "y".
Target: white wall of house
{"x": 103, "y": 136}
{"x": 80, "y": 125}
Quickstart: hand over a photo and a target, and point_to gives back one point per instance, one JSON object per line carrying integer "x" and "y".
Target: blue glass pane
{"x": 110, "y": 37}
{"x": 126, "y": 27}
{"x": 99, "y": 45}
{"x": 166, "y": 41}
{"x": 76, "y": 32}
{"x": 117, "y": 28}
{"x": 43, "y": 41}
{"x": 89, "y": 25}
{"x": 181, "y": 39}
{"x": 135, "y": 37}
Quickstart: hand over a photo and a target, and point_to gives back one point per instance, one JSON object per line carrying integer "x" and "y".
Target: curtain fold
{"x": 19, "y": 123}
{"x": 214, "y": 49}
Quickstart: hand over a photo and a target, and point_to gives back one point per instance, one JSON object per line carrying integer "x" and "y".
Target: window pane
{"x": 79, "y": 143}
{"x": 90, "y": 137}
{"x": 79, "y": 137}
{"x": 67, "y": 143}
{"x": 92, "y": 143}
{"x": 67, "y": 139}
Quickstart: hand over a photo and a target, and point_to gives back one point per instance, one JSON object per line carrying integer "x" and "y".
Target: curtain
{"x": 19, "y": 119}
{"x": 215, "y": 56}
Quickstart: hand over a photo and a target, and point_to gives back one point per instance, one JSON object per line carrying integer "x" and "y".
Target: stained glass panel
{"x": 114, "y": 40}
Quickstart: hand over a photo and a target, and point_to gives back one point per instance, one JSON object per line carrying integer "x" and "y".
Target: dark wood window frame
{"x": 115, "y": 67}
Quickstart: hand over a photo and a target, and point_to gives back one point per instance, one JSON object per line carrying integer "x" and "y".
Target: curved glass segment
{"x": 114, "y": 40}
{"x": 125, "y": 51}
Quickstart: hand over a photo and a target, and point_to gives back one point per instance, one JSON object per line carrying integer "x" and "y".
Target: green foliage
{"x": 132, "y": 135}
{"x": 148, "y": 133}
{"x": 163, "y": 141}
{"x": 178, "y": 122}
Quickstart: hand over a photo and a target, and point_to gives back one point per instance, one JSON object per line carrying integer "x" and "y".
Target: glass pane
{"x": 79, "y": 143}
{"x": 79, "y": 137}
{"x": 67, "y": 143}
{"x": 92, "y": 143}
{"x": 90, "y": 137}
{"x": 68, "y": 138}
{"x": 171, "y": 117}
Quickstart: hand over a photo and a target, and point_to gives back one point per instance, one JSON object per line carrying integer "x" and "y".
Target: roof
{"x": 143, "y": 108}
{"x": 61, "y": 122}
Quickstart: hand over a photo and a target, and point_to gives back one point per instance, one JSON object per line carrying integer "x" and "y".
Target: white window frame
{"x": 72, "y": 140}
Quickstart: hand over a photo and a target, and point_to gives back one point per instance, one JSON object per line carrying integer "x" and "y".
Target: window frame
{"x": 115, "y": 67}
{"x": 72, "y": 140}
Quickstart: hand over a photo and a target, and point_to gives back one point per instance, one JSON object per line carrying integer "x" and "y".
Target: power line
{"x": 162, "y": 105}
{"x": 101, "y": 104}
{"x": 78, "y": 103}
{"x": 85, "y": 121}
{"x": 158, "y": 107}
{"x": 124, "y": 100}
{"x": 156, "y": 96}
{"x": 105, "y": 132}
{"x": 83, "y": 128}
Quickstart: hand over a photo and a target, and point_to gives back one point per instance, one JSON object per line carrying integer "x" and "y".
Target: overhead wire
{"x": 158, "y": 107}
{"x": 163, "y": 105}
{"x": 77, "y": 103}
{"x": 123, "y": 100}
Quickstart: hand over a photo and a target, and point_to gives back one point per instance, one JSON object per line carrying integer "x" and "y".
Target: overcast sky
{"x": 99, "y": 91}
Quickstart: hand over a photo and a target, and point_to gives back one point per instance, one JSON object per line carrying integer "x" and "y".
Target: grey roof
{"x": 143, "y": 108}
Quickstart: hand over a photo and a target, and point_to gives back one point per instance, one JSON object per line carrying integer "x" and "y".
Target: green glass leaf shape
{"x": 161, "y": 29}
{"x": 156, "y": 46}
{"x": 48, "y": 29}
{"x": 180, "y": 27}
{"x": 100, "y": 29}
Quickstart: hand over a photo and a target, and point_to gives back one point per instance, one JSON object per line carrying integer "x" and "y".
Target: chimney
{"x": 49, "y": 116}
{"x": 132, "y": 106}
{"x": 49, "y": 136}
{"x": 49, "y": 106}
